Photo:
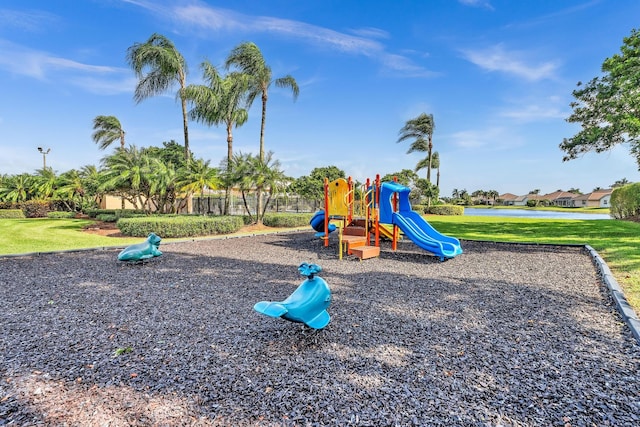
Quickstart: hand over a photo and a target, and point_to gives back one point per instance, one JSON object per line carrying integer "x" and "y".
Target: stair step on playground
{"x": 353, "y": 242}
{"x": 359, "y": 222}
{"x": 355, "y": 231}
{"x": 365, "y": 252}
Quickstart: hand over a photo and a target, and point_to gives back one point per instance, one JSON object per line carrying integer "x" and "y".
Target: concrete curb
{"x": 164, "y": 243}
{"x": 627, "y": 312}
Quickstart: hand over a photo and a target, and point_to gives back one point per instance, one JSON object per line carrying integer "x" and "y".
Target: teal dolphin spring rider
{"x": 141, "y": 251}
{"x": 308, "y": 304}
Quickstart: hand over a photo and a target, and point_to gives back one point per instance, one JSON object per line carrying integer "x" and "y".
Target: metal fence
{"x": 214, "y": 205}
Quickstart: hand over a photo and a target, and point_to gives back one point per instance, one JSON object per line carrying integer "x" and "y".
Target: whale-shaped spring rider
{"x": 308, "y": 304}
{"x": 141, "y": 251}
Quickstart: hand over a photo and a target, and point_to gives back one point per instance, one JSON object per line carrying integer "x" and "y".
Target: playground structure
{"x": 308, "y": 304}
{"x": 378, "y": 209}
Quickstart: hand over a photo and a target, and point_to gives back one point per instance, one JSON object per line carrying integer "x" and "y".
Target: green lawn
{"x": 618, "y": 242}
{"x": 19, "y": 236}
{"x": 547, "y": 208}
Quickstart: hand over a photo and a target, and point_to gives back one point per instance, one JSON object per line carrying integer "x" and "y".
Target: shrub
{"x": 445, "y": 210}
{"x": 36, "y": 208}
{"x": 625, "y": 201}
{"x": 11, "y": 213}
{"x": 179, "y": 226}
{"x": 119, "y": 213}
{"x": 60, "y": 214}
{"x": 419, "y": 207}
{"x": 287, "y": 220}
{"x": 107, "y": 217}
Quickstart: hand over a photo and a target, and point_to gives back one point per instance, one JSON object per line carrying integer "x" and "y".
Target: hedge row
{"x": 625, "y": 202}
{"x": 179, "y": 226}
{"x": 117, "y": 213}
{"x": 60, "y": 214}
{"x": 11, "y": 213}
{"x": 445, "y": 210}
{"x": 31, "y": 208}
{"x": 287, "y": 220}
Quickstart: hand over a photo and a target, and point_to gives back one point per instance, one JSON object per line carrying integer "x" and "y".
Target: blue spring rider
{"x": 308, "y": 304}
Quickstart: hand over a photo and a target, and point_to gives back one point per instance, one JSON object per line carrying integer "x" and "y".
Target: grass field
{"x": 19, "y": 236}
{"x": 618, "y": 242}
{"x": 547, "y": 208}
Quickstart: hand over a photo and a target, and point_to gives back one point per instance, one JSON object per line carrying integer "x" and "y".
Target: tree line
{"x": 161, "y": 178}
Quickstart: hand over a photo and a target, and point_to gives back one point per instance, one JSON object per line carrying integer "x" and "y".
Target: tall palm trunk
{"x": 227, "y": 190}
{"x": 259, "y": 209}
{"x": 430, "y": 154}
{"x": 185, "y": 125}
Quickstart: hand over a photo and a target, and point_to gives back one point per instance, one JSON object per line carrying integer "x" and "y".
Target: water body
{"x": 525, "y": 213}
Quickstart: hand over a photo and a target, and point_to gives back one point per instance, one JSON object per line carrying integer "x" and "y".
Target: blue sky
{"x": 496, "y": 74}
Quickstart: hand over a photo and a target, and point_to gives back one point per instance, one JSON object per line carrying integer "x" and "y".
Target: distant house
{"x": 561, "y": 198}
{"x": 522, "y": 200}
{"x": 507, "y": 199}
{"x": 113, "y": 202}
{"x": 597, "y": 199}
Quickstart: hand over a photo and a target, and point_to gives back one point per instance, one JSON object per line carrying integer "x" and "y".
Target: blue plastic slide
{"x": 317, "y": 223}
{"x": 412, "y": 224}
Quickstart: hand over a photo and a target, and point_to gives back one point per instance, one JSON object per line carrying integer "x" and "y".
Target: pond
{"x": 526, "y": 213}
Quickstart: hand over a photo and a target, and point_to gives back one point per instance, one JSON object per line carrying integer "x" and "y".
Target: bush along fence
{"x": 625, "y": 202}
{"x": 214, "y": 205}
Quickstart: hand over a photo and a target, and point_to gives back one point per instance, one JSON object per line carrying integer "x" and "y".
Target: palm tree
{"x": 268, "y": 177}
{"x": 71, "y": 189}
{"x": 620, "y": 183}
{"x": 163, "y": 184}
{"x": 250, "y": 174}
{"x": 240, "y": 175}
{"x": 197, "y": 176}
{"x": 494, "y": 195}
{"x": 45, "y": 183}
{"x": 91, "y": 178}
{"x": 219, "y": 102}
{"x": 435, "y": 164}
{"x": 421, "y": 129}
{"x": 127, "y": 175}
{"x": 159, "y": 65}
{"x": 424, "y": 163}
{"x": 107, "y": 130}
{"x": 16, "y": 188}
{"x": 248, "y": 59}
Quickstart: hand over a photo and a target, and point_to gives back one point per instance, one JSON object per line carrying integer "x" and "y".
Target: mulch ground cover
{"x": 501, "y": 335}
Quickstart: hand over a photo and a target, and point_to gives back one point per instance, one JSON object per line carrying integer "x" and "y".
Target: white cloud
{"x": 24, "y": 61}
{"x": 31, "y": 21}
{"x": 537, "y": 108}
{"x": 363, "y": 41}
{"x": 532, "y": 113}
{"x": 497, "y": 58}
{"x": 21, "y": 60}
{"x": 492, "y": 138}
{"x": 477, "y": 3}
{"x": 371, "y": 32}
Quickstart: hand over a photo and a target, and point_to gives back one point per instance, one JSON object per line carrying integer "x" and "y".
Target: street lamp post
{"x": 44, "y": 156}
